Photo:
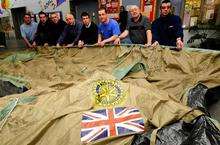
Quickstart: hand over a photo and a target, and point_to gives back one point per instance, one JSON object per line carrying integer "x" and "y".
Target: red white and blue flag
{"x": 101, "y": 124}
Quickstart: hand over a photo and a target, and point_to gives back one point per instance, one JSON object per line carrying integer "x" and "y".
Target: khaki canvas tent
{"x": 62, "y": 86}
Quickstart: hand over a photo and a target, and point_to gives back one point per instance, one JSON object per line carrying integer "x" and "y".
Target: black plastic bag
{"x": 7, "y": 88}
{"x": 201, "y": 131}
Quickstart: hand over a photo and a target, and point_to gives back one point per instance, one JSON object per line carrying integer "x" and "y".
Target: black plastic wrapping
{"x": 7, "y": 88}
{"x": 200, "y": 131}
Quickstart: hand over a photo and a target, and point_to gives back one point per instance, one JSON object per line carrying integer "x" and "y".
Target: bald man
{"x": 71, "y": 32}
{"x": 138, "y": 29}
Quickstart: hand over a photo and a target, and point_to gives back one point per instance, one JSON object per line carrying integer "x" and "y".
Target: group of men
{"x": 166, "y": 30}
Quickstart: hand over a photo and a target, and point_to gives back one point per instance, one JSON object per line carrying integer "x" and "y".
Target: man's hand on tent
{"x": 155, "y": 44}
{"x": 117, "y": 41}
{"x": 69, "y": 45}
{"x": 102, "y": 43}
{"x": 179, "y": 44}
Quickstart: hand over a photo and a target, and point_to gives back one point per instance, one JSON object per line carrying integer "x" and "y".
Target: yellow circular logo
{"x": 108, "y": 93}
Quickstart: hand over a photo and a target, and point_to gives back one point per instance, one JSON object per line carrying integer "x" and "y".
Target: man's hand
{"x": 179, "y": 44}
{"x": 155, "y": 44}
{"x": 147, "y": 45}
{"x": 34, "y": 44}
{"x": 117, "y": 41}
{"x": 80, "y": 44}
{"x": 30, "y": 46}
{"x": 69, "y": 45}
{"x": 46, "y": 44}
{"x": 58, "y": 45}
{"x": 102, "y": 43}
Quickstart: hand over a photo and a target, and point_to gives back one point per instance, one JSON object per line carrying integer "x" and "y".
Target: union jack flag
{"x": 101, "y": 124}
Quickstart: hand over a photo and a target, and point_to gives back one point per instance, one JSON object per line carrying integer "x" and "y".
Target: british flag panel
{"x": 111, "y": 122}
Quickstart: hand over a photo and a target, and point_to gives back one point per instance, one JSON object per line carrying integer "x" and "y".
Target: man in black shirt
{"x": 41, "y": 36}
{"x": 71, "y": 32}
{"x": 167, "y": 29}
{"x": 56, "y": 28}
{"x": 89, "y": 32}
{"x": 138, "y": 29}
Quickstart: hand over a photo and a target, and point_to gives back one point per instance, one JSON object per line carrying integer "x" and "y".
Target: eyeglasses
{"x": 165, "y": 7}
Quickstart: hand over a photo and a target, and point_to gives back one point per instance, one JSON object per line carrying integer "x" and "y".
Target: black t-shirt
{"x": 55, "y": 31}
{"x": 89, "y": 35}
{"x": 42, "y": 33}
{"x": 137, "y": 30}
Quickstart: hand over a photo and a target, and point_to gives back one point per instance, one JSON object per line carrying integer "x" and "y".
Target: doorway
{"x": 17, "y": 17}
{"x": 90, "y": 6}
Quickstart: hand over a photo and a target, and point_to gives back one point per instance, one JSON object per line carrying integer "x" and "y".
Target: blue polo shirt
{"x": 109, "y": 29}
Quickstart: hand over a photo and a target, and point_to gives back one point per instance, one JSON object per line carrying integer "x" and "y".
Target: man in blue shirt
{"x": 167, "y": 29}
{"x": 28, "y": 30}
{"x": 108, "y": 29}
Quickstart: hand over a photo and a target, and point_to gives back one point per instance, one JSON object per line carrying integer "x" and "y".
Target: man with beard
{"x": 41, "y": 36}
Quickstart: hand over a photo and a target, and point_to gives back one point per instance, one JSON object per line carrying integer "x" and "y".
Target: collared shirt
{"x": 88, "y": 25}
{"x": 28, "y": 31}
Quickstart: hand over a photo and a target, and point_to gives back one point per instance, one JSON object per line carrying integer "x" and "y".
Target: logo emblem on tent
{"x": 108, "y": 93}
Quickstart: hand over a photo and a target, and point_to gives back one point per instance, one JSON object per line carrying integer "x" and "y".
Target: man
{"x": 41, "y": 36}
{"x": 108, "y": 29}
{"x": 28, "y": 30}
{"x": 167, "y": 29}
{"x": 71, "y": 32}
{"x": 138, "y": 29}
{"x": 89, "y": 32}
{"x": 56, "y": 28}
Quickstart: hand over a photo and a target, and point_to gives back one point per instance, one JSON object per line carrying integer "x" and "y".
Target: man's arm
{"x": 122, "y": 36}
{"x": 78, "y": 32}
{"x": 99, "y": 38}
{"x": 36, "y": 36}
{"x": 62, "y": 36}
{"x": 147, "y": 25}
{"x": 149, "y": 37}
{"x": 179, "y": 33}
{"x": 27, "y": 43}
{"x": 155, "y": 33}
{"x": 111, "y": 39}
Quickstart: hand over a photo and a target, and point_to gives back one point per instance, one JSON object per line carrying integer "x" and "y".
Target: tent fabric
{"x": 55, "y": 116}
{"x": 155, "y": 80}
